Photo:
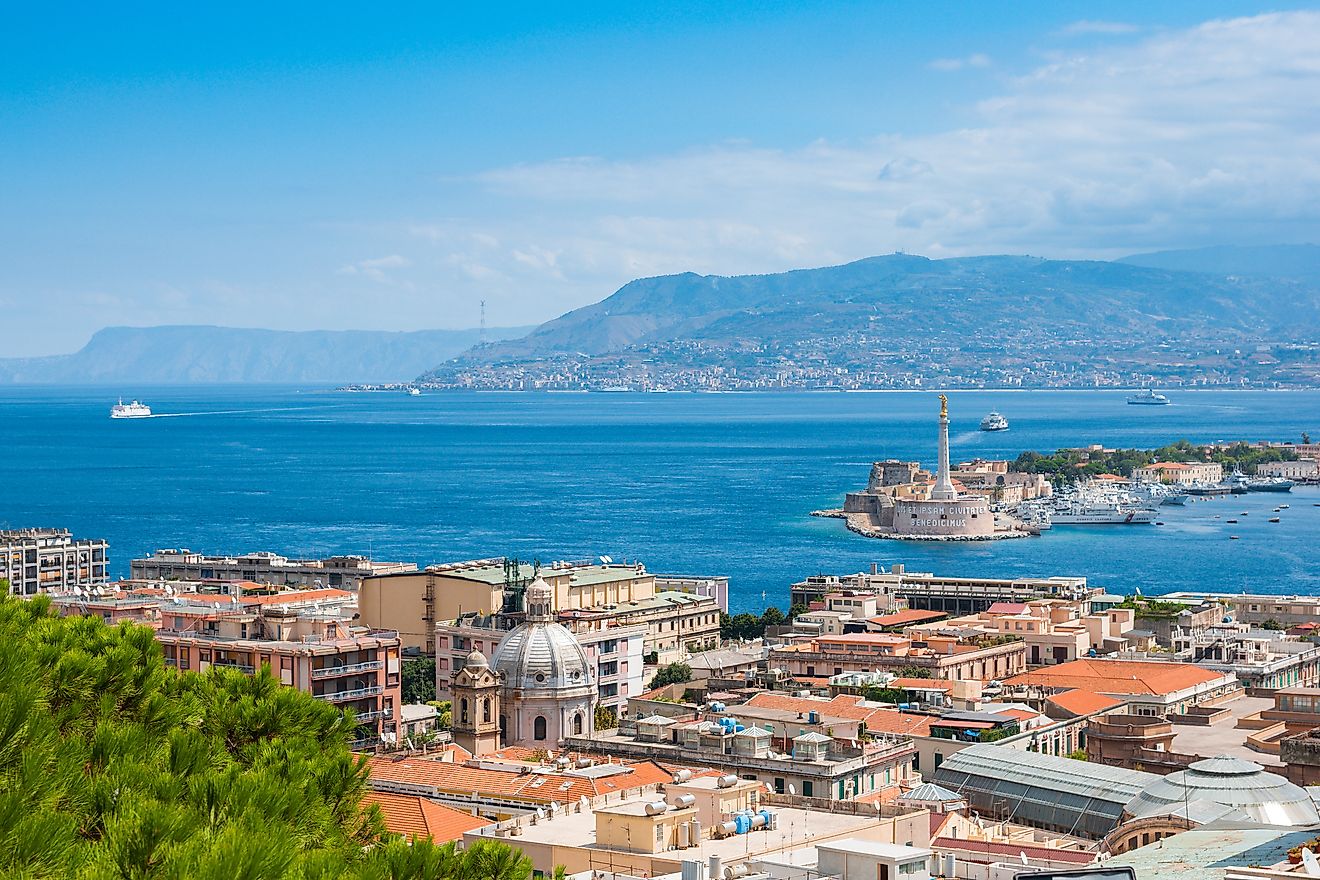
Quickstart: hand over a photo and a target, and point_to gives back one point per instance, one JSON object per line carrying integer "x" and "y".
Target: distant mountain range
{"x": 901, "y": 318}
{"x": 1299, "y": 261}
{"x": 188, "y": 354}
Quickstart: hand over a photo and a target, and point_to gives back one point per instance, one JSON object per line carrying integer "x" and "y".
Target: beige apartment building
{"x": 414, "y": 603}
{"x": 50, "y": 560}
{"x": 1180, "y": 473}
{"x": 346, "y": 572}
{"x": 940, "y": 657}
{"x": 347, "y": 666}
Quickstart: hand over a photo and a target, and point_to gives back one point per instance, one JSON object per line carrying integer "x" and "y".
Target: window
{"x": 538, "y": 728}
{"x": 485, "y": 710}
{"x": 806, "y": 788}
{"x": 577, "y": 724}
{"x": 463, "y": 710}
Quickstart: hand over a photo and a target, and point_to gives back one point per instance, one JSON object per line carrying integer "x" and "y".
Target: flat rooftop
{"x": 1222, "y": 737}
{"x": 795, "y": 828}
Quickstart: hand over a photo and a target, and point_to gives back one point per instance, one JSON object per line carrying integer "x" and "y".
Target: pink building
{"x": 320, "y": 654}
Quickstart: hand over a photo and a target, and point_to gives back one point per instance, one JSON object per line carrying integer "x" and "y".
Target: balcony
{"x": 373, "y": 715}
{"x": 350, "y": 669}
{"x": 355, "y": 694}
{"x": 241, "y": 667}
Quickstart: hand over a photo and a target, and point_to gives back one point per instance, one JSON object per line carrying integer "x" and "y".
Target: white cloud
{"x": 1205, "y": 135}
{"x": 377, "y": 269}
{"x": 1107, "y": 28}
{"x": 952, "y": 64}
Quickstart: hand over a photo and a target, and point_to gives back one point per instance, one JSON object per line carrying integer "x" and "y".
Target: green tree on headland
{"x": 113, "y": 765}
{"x": 1071, "y": 465}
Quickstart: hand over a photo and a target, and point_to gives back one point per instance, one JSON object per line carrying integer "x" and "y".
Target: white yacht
{"x": 994, "y": 422}
{"x": 1148, "y": 398}
{"x": 414, "y": 391}
{"x": 134, "y": 410}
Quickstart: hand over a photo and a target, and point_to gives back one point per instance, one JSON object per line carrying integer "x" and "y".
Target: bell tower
{"x": 476, "y": 709}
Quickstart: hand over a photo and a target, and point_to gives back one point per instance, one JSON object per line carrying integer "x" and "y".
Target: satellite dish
{"x": 583, "y": 802}
{"x": 540, "y": 813}
{"x": 1310, "y": 863}
{"x": 608, "y": 559}
{"x": 1023, "y": 857}
{"x": 792, "y": 789}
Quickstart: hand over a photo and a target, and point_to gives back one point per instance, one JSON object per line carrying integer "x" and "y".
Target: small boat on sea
{"x": 1232, "y": 537}
{"x": 135, "y": 410}
{"x": 1274, "y": 519}
{"x": 994, "y": 422}
{"x": 1231, "y": 521}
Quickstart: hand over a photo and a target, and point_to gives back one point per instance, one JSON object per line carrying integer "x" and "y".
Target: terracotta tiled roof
{"x": 908, "y": 615}
{"x": 1118, "y": 677}
{"x": 1006, "y": 608}
{"x": 529, "y": 787}
{"x": 418, "y": 817}
{"x": 1080, "y": 702}
{"x": 296, "y": 596}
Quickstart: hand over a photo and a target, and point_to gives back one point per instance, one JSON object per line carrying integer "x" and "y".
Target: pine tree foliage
{"x": 114, "y": 765}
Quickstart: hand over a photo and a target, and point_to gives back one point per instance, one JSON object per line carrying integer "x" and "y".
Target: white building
{"x": 44, "y": 560}
{"x": 1302, "y": 469}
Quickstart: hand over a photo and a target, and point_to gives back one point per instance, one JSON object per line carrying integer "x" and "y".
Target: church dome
{"x": 541, "y": 654}
{"x": 475, "y": 661}
{"x": 1232, "y": 782}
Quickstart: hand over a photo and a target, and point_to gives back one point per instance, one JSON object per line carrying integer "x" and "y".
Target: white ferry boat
{"x": 994, "y": 422}
{"x": 414, "y": 391}
{"x": 134, "y": 410}
{"x": 1148, "y": 398}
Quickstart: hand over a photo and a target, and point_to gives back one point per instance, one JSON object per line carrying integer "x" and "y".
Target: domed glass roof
{"x": 1246, "y": 786}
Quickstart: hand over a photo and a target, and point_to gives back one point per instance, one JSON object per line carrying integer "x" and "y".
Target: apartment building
{"x": 1152, "y": 688}
{"x": 413, "y": 603}
{"x": 982, "y": 658}
{"x": 346, "y": 572}
{"x": 899, "y": 588}
{"x": 813, "y": 763}
{"x": 676, "y": 624}
{"x": 318, "y": 653}
{"x": 715, "y": 587}
{"x": 50, "y": 560}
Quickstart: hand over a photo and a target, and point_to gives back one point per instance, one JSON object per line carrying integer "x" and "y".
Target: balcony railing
{"x": 355, "y": 694}
{"x": 373, "y": 715}
{"x": 350, "y": 669}
{"x": 241, "y": 667}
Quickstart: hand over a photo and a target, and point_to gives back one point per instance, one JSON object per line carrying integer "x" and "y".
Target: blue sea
{"x": 695, "y": 484}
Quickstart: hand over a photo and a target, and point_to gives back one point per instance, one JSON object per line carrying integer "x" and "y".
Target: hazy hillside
{"x": 1282, "y": 261}
{"x": 186, "y": 354}
{"x": 903, "y": 321}
{"x": 915, "y": 299}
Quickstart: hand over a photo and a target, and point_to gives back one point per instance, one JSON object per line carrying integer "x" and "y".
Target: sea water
{"x": 689, "y": 484}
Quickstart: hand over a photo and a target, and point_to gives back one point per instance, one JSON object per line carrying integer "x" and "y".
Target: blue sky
{"x": 323, "y": 166}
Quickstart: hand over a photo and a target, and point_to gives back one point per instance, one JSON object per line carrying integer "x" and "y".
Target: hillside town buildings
{"x": 44, "y": 560}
